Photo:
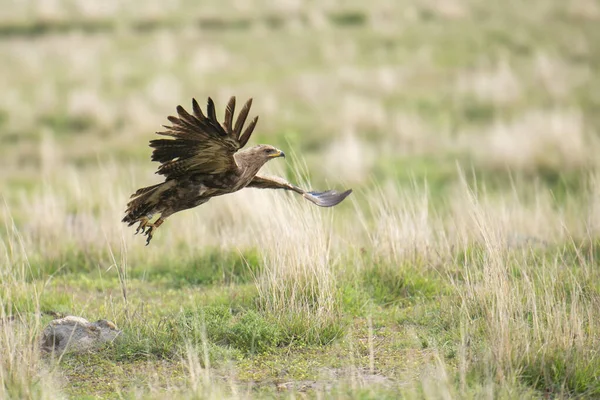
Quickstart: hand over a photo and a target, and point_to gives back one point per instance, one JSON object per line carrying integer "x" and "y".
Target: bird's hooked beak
{"x": 278, "y": 153}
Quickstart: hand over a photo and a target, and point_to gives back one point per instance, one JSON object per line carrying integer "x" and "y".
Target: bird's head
{"x": 253, "y": 158}
{"x": 265, "y": 152}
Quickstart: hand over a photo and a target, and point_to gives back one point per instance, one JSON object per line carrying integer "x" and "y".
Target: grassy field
{"x": 464, "y": 265}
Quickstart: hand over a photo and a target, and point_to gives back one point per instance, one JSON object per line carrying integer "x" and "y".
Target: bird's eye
{"x": 268, "y": 151}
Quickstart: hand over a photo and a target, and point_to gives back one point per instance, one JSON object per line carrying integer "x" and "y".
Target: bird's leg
{"x": 152, "y": 227}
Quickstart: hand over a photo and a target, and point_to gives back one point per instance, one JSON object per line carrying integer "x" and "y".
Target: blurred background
{"x": 362, "y": 91}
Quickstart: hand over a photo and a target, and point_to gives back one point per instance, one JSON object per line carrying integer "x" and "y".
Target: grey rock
{"x": 76, "y": 334}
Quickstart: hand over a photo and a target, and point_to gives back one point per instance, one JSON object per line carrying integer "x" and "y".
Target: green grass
{"x": 411, "y": 317}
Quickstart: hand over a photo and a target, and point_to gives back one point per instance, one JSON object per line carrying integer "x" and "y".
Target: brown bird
{"x": 205, "y": 160}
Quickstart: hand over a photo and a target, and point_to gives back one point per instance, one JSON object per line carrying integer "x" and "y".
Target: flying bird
{"x": 204, "y": 159}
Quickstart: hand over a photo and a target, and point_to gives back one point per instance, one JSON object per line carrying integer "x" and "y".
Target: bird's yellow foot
{"x": 151, "y": 228}
{"x": 144, "y": 222}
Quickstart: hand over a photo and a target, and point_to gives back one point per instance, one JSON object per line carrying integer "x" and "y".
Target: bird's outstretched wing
{"x": 324, "y": 199}
{"x": 202, "y": 145}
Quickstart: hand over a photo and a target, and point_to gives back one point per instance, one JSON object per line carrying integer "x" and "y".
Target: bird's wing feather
{"x": 201, "y": 145}
{"x": 328, "y": 198}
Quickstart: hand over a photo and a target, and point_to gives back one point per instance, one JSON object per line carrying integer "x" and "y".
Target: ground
{"x": 464, "y": 264}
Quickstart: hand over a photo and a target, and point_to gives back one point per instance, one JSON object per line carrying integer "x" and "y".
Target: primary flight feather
{"x": 203, "y": 159}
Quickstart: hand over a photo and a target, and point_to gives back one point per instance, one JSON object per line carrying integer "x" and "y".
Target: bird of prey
{"x": 204, "y": 159}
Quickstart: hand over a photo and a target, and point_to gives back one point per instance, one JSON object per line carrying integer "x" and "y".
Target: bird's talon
{"x": 149, "y": 234}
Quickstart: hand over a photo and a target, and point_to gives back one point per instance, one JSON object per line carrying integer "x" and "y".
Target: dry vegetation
{"x": 464, "y": 265}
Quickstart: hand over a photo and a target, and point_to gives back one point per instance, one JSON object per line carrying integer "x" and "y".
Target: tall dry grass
{"x": 297, "y": 283}
{"x": 526, "y": 272}
{"x": 23, "y": 372}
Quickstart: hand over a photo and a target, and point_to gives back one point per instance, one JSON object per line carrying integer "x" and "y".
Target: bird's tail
{"x": 143, "y": 203}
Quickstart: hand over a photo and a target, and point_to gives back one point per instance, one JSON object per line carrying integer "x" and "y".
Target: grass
{"x": 464, "y": 265}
